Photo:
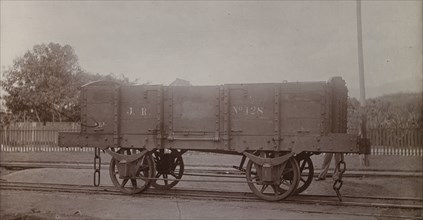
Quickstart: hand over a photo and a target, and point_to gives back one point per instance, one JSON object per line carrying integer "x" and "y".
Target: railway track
{"x": 196, "y": 168}
{"x": 193, "y": 170}
{"x": 412, "y": 206}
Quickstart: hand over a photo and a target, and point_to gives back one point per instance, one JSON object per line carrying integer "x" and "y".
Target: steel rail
{"x": 414, "y": 199}
{"x": 155, "y": 194}
{"x": 192, "y": 168}
{"x": 24, "y": 165}
{"x": 300, "y": 199}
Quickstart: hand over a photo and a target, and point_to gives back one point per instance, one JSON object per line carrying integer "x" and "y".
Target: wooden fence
{"x": 400, "y": 151}
{"x": 396, "y": 141}
{"x": 24, "y": 137}
{"x": 398, "y": 137}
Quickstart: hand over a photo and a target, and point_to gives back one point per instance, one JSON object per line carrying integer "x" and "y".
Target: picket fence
{"x": 396, "y": 141}
{"x": 36, "y": 137}
{"x": 398, "y": 137}
{"x": 39, "y": 137}
{"x": 400, "y": 151}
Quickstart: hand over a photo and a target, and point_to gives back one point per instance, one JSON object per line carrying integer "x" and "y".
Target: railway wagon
{"x": 276, "y": 126}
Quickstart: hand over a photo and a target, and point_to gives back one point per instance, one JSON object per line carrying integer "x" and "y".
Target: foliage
{"x": 400, "y": 110}
{"x": 44, "y": 84}
{"x": 353, "y": 114}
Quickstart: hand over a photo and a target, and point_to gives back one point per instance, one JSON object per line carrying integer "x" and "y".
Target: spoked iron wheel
{"x": 274, "y": 192}
{"x": 169, "y": 168}
{"x": 145, "y": 169}
{"x": 307, "y": 173}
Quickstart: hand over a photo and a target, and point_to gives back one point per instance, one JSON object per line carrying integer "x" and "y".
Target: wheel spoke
{"x": 275, "y": 189}
{"x": 302, "y": 180}
{"x": 173, "y": 174}
{"x": 165, "y": 179}
{"x": 158, "y": 175}
{"x": 134, "y": 183}
{"x": 264, "y": 187}
{"x": 286, "y": 183}
{"x": 302, "y": 166}
{"x": 124, "y": 183}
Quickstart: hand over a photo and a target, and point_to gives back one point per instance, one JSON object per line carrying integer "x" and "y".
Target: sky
{"x": 217, "y": 42}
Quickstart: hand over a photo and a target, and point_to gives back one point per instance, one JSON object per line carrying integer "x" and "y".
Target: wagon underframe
{"x": 331, "y": 143}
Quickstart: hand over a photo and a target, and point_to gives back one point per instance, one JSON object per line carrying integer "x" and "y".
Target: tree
{"x": 44, "y": 84}
{"x": 399, "y": 110}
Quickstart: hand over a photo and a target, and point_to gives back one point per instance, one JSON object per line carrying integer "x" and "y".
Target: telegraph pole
{"x": 364, "y": 160}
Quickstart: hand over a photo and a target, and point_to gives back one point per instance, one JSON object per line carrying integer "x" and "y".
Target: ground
{"x": 41, "y": 205}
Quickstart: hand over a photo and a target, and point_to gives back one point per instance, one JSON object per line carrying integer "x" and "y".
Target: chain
{"x": 341, "y": 166}
{"x": 97, "y": 166}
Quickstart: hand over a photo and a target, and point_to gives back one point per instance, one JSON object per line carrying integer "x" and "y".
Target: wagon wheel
{"x": 169, "y": 168}
{"x": 274, "y": 192}
{"x": 305, "y": 164}
{"x": 145, "y": 170}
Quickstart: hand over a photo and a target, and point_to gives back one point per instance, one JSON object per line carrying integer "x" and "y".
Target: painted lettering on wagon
{"x": 137, "y": 111}
{"x": 248, "y": 110}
